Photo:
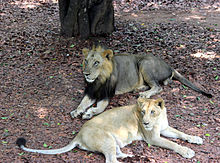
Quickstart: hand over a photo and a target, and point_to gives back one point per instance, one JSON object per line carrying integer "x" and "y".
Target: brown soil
{"x": 199, "y": 17}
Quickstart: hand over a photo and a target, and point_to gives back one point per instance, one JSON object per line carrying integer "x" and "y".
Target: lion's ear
{"x": 107, "y": 54}
{"x": 160, "y": 103}
{"x": 85, "y": 52}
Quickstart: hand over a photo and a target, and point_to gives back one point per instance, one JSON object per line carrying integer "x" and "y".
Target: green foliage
{"x": 4, "y": 142}
{"x": 45, "y": 145}
{"x": 72, "y": 45}
{"x": 46, "y": 124}
{"x": 21, "y": 154}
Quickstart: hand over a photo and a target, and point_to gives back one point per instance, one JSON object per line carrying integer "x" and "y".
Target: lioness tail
{"x": 21, "y": 143}
{"x": 186, "y": 82}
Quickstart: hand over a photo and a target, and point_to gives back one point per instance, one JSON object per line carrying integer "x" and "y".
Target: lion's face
{"x": 150, "y": 111}
{"x": 97, "y": 64}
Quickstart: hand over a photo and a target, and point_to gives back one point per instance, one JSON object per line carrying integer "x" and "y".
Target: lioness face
{"x": 150, "y": 110}
{"x": 97, "y": 64}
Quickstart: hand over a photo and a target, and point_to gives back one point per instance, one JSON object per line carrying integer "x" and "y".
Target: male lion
{"x": 115, "y": 128}
{"x": 107, "y": 75}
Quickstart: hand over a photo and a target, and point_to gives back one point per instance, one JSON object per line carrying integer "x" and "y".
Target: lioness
{"x": 107, "y": 75}
{"x": 115, "y": 128}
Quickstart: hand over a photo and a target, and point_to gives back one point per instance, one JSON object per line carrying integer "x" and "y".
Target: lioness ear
{"x": 160, "y": 103}
{"x": 107, "y": 54}
{"x": 140, "y": 102}
{"x": 93, "y": 47}
{"x": 85, "y": 52}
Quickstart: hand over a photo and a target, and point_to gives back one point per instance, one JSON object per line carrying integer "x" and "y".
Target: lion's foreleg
{"x": 85, "y": 103}
{"x": 173, "y": 133}
{"x": 101, "y": 105}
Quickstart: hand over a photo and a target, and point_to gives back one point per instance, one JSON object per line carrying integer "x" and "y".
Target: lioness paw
{"x": 187, "y": 152}
{"x": 123, "y": 155}
{"x": 129, "y": 155}
{"x": 195, "y": 139}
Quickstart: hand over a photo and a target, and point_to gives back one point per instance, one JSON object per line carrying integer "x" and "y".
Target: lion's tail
{"x": 21, "y": 143}
{"x": 186, "y": 82}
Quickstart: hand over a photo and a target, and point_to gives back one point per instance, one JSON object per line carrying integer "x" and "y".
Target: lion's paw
{"x": 87, "y": 116}
{"x": 144, "y": 95}
{"x": 195, "y": 139}
{"x": 187, "y": 152}
{"x": 74, "y": 113}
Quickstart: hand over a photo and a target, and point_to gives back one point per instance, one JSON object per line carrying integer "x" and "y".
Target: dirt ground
{"x": 197, "y": 17}
{"x": 41, "y": 79}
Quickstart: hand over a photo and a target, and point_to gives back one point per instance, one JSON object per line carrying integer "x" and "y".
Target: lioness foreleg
{"x": 183, "y": 151}
{"x": 101, "y": 105}
{"x": 173, "y": 133}
{"x": 85, "y": 103}
{"x": 155, "y": 139}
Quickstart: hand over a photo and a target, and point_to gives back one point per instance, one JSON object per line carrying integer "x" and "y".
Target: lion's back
{"x": 127, "y": 73}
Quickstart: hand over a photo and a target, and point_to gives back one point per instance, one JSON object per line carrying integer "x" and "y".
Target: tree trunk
{"x": 86, "y": 18}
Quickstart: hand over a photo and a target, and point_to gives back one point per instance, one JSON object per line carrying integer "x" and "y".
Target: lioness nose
{"x": 146, "y": 123}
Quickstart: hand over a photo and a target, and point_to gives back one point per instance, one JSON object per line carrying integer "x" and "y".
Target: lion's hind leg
{"x": 154, "y": 90}
{"x": 149, "y": 78}
{"x": 173, "y": 133}
{"x": 168, "y": 80}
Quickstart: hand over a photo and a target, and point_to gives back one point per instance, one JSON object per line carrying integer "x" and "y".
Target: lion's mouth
{"x": 89, "y": 80}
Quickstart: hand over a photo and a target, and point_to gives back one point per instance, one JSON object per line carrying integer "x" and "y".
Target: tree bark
{"x": 86, "y": 18}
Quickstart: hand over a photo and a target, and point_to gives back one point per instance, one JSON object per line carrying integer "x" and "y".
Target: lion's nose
{"x": 86, "y": 74}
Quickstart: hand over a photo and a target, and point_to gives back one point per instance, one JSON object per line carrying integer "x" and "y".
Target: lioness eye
{"x": 96, "y": 63}
{"x": 143, "y": 112}
{"x": 152, "y": 112}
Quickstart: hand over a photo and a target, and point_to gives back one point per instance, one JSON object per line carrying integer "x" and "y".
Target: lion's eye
{"x": 96, "y": 63}
{"x": 85, "y": 62}
{"x": 143, "y": 112}
{"x": 152, "y": 112}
